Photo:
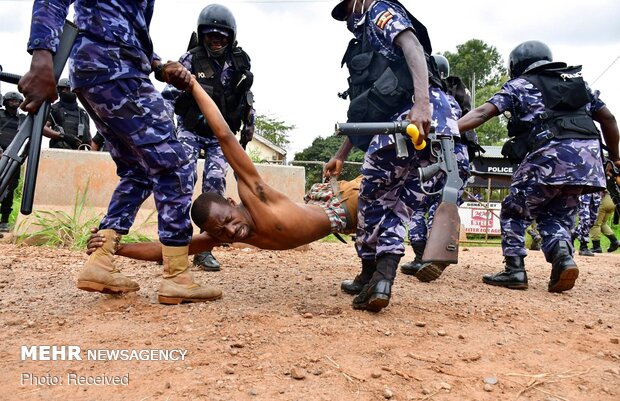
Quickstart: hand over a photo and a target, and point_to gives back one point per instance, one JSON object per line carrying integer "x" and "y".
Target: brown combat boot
{"x": 99, "y": 273}
{"x": 178, "y": 285}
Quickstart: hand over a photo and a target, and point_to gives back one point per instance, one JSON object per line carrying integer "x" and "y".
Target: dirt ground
{"x": 284, "y": 331}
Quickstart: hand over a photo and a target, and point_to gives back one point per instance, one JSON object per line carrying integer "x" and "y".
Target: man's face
{"x": 12, "y": 104}
{"x": 215, "y": 41}
{"x": 227, "y": 223}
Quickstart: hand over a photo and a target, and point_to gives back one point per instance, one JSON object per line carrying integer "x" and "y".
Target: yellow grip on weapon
{"x": 414, "y": 134}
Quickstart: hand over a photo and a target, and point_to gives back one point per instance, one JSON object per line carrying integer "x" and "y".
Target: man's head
{"x": 64, "y": 91}
{"x": 345, "y": 8}
{"x": 223, "y": 219}
{"x": 528, "y": 55}
{"x": 12, "y": 100}
{"x": 443, "y": 65}
{"x": 217, "y": 29}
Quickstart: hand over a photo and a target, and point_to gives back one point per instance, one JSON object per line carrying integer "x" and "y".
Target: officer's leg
{"x": 6, "y": 206}
{"x": 555, "y": 223}
{"x": 381, "y": 230}
{"x": 515, "y": 217}
{"x": 132, "y": 112}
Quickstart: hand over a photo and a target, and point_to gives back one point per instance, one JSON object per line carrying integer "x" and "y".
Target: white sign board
{"x": 480, "y": 220}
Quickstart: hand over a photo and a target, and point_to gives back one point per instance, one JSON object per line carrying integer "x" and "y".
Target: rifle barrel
{"x": 10, "y": 78}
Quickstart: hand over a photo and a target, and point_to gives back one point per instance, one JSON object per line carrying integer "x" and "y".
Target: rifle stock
{"x": 442, "y": 245}
{"x": 27, "y": 142}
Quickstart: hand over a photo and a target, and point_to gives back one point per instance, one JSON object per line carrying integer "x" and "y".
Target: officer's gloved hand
{"x": 72, "y": 140}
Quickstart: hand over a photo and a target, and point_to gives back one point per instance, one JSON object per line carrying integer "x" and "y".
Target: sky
{"x": 296, "y": 47}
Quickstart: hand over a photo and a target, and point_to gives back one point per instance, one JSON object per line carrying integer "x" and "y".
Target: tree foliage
{"x": 322, "y": 149}
{"x": 475, "y": 58}
{"x": 478, "y": 59}
{"x": 273, "y": 129}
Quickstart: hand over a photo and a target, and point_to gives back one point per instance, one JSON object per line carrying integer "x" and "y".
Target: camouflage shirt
{"x": 114, "y": 40}
{"x": 558, "y": 162}
{"x": 386, "y": 21}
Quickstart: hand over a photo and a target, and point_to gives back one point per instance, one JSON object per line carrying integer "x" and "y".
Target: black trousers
{"x": 6, "y": 199}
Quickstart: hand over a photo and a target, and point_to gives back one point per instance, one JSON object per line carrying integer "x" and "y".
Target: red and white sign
{"x": 478, "y": 219}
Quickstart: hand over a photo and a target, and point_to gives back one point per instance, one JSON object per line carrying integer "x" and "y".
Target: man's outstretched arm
{"x": 237, "y": 158}
{"x": 150, "y": 250}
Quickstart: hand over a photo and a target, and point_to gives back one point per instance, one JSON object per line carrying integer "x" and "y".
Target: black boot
{"x": 564, "y": 270}
{"x": 206, "y": 261}
{"x": 596, "y": 247}
{"x": 411, "y": 268}
{"x": 354, "y": 286}
{"x": 614, "y": 244}
{"x": 513, "y": 276}
{"x": 376, "y": 294}
{"x": 584, "y": 251}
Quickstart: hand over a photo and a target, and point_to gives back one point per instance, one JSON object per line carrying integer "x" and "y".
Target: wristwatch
{"x": 159, "y": 72}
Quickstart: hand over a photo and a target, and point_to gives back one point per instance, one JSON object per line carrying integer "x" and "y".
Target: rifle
{"x": 443, "y": 241}
{"x": 27, "y": 142}
{"x": 442, "y": 246}
{"x": 396, "y": 128}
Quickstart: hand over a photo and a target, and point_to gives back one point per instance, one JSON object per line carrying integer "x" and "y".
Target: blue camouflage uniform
{"x": 390, "y": 188}
{"x": 419, "y": 223}
{"x": 587, "y": 213}
{"x": 216, "y": 165}
{"x": 109, "y": 67}
{"x": 548, "y": 182}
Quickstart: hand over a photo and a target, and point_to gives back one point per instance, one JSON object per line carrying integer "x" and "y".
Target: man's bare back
{"x": 266, "y": 218}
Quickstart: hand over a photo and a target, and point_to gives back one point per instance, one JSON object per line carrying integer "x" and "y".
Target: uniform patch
{"x": 384, "y": 19}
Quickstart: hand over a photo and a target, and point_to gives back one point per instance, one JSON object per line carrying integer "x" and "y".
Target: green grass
{"x": 68, "y": 230}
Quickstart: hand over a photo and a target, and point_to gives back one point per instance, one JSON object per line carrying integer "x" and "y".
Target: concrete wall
{"x": 64, "y": 173}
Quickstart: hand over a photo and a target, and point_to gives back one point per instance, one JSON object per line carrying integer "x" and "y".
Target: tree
{"x": 272, "y": 129}
{"x": 475, "y": 58}
{"x": 322, "y": 149}
{"x": 493, "y": 132}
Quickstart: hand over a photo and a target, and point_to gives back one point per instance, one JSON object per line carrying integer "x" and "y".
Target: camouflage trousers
{"x": 588, "y": 210}
{"x": 216, "y": 165}
{"x": 385, "y": 201}
{"x": 421, "y": 219}
{"x": 554, "y": 207}
{"x": 140, "y": 136}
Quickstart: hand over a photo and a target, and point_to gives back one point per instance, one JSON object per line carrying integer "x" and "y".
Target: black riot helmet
{"x": 443, "y": 65}
{"x": 63, "y": 83}
{"x": 217, "y": 18}
{"x": 12, "y": 96}
{"x": 528, "y": 55}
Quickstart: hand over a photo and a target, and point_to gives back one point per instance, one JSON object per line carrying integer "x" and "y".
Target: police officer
{"x": 69, "y": 120}
{"x": 223, "y": 70}
{"x": 387, "y": 62}
{"x": 9, "y": 124}
{"x": 421, "y": 219}
{"x": 112, "y": 58}
{"x": 551, "y": 112}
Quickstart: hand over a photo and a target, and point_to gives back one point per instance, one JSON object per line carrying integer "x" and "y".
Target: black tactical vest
{"x": 565, "y": 97}
{"x": 8, "y": 128}
{"x": 379, "y": 87}
{"x": 233, "y": 101}
{"x": 72, "y": 121}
